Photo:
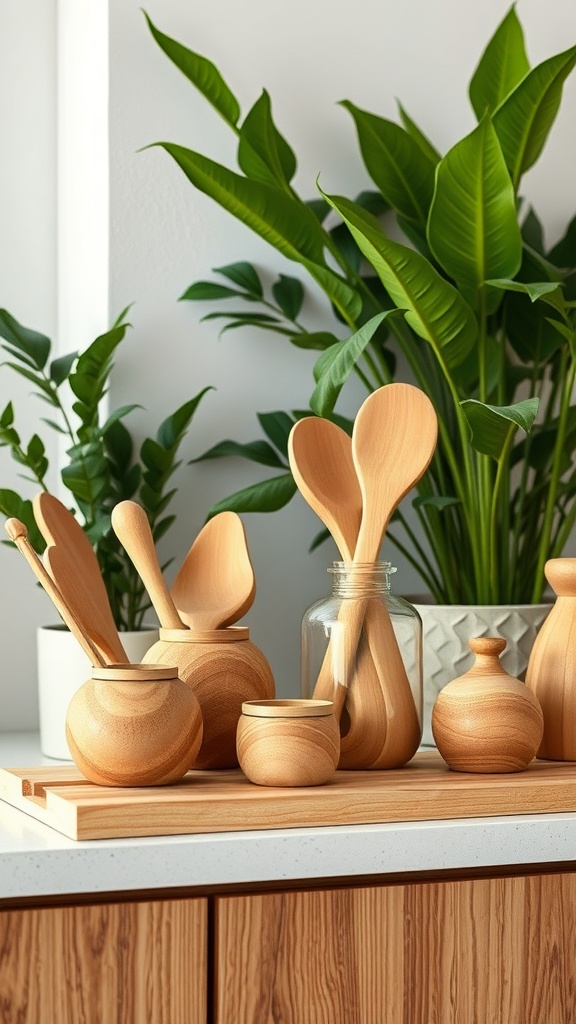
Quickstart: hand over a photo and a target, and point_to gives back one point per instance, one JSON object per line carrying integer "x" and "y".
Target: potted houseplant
{"x": 102, "y": 468}
{"x": 480, "y": 311}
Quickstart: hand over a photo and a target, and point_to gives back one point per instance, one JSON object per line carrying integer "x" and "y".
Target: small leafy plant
{"x": 481, "y": 310}
{"x": 102, "y": 467}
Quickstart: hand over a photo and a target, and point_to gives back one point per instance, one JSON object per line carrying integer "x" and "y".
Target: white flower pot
{"x": 446, "y": 630}
{"x": 62, "y": 668}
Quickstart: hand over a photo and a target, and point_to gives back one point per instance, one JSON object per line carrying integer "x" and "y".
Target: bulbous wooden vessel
{"x": 134, "y": 725}
{"x": 223, "y": 668}
{"x": 288, "y": 742}
{"x": 551, "y": 672}
{"x": 485, "y": 720}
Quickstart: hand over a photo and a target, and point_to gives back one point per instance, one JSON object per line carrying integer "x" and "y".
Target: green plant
{"x": 102, "y": 468}
{"x": 481, "y": 313}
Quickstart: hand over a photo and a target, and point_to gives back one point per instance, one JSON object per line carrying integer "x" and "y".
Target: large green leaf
{"x": 336, "y": 363}
{"x": 263, "y": 153}
{"x": 523, "y": 120}
{"x": 473, "y": 229}
{"x": 396, "y": 163}
{"x": 418, "y": 135}
{"x": 201, "y": 72}
{"x": 266, "y": 496}
{"x": 434, "y": 308}
{"x": 501, "y": 67}
{"x": 493, "y": 425}
{"x": 284, "y": 222}
{"x": 255, "y": 451}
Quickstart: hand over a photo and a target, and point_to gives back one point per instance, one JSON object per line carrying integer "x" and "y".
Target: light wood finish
{"x": 288, "y": 743}
{"x": 488, "y": 951}
{"x": 118, "y": 963}
{"x": 78, "y": 577}
{"x": 225, "y": 801}
{"x": 143, "y": 729}
{"x": 223, "y": 671}
{"x": 551, "y": 671}
{"x": 485, "y": 720}
{"x": 19, "y": 535}
{"x": 215, "y": 584}
{"x": 131, "y": 526}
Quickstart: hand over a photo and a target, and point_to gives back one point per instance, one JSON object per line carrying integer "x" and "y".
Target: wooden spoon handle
{"x": 19, "y": 534}
{"x": 131, "y": 526}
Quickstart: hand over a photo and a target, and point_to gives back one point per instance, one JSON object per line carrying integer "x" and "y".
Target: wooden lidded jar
{"x": 288, "y": 742}
{"x": 551, "y": 672}
{"x": 223, "y": 668}
{"x": 485, "y": 720}
{"x": 134, "y": 725}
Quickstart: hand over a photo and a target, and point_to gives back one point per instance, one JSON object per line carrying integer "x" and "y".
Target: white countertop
{"x": 35, "y": 860}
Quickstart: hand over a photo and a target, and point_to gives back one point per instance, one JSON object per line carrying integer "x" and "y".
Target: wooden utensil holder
{"x": 223, "y": 668}
{"x": 134, "y": 725}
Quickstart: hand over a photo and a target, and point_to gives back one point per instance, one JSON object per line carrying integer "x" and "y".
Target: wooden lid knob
{"x": 561, "y": 575}
{"x": 492, "y": 646}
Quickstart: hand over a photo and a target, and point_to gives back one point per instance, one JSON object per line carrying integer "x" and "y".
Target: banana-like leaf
{"x": 473, "y": 229}
{"x": 523, "y": 120}
{"x": 492, "y": 425}
{"x": 263, "y": 153}
{"x": 284, "y": 222}
{"x": 396, "y": 164}
{"x": 418, "y": 135}
{"x": 334, "y": 366}
{"x": 202, "y": 73}
{"x": 501, "y": 67}
{"x": 434, "y": 308}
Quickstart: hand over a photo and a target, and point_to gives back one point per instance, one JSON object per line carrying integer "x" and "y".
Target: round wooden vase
{"x": 288, "y": 742}
{"x": 223, "y": 668}
{"x": 551, "y": 672}
{"x": 134, "y": 725}
{"x": 485, "y": 720}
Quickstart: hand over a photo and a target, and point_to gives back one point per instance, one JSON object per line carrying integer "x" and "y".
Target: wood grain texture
{"x": 124, "y": 963}
{"x": 551, "y": 671}
{"x": 128, "y": 727}
{"x": 485, "y": 720}
{"x": 289, "y": 751}
{"x": 488, "y": 951}
{"x": 222, "y": 674}
{"x": 225, "y": 800}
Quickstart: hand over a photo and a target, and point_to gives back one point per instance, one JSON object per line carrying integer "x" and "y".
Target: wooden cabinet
{"x": 483, "y": 951}
{"x": 494, "y": 950}
{"x": 117, "y": 963}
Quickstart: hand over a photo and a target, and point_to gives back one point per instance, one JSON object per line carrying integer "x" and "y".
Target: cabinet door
{"x": 485, "y": 951}
{"x": 122, "y": 963}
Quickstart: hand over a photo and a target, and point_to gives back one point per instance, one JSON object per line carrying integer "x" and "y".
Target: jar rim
{"x": 340, "y": 566}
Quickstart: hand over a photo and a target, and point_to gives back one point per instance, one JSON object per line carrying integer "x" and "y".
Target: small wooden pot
{"x": 134, "y": 725}
{"x": 288, "y": 742}
{"x": 487, "y": 721}
{"x": 223, "y": 668}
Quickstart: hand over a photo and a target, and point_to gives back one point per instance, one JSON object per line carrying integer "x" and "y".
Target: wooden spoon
{"x": 78, "y": 573}
{"x": 215, "y": 585}
{"x": 19, "y": 534}
{"x": 393, "y": 441}
{"x": 131, "y": 526}
{"x": 320, "y": 455}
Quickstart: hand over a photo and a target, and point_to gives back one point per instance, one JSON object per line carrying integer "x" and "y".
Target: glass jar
{"x": 362, "y": 648}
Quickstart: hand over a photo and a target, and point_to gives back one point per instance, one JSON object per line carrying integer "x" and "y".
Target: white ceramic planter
{"x": 62, "y": 669}
{"x": 446, "y": 630}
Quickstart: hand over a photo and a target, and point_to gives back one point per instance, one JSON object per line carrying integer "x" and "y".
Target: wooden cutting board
{"x": 224, "y": 801}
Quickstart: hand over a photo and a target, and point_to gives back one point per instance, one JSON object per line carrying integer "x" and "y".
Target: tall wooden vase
{"x": 551, "y": 672}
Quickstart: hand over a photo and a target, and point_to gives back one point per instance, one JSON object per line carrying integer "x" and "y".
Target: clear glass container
{"x": 350, "y": 655}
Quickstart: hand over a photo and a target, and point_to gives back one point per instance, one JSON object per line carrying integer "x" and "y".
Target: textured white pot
{"x": 62, "y": 668}
{"x": 446, "y": 630}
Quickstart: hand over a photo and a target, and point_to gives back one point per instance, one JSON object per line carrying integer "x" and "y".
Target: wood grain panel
{"x": 485, "y": 951}
{"x": 221, "y": 801}
{"x": 124, "y": 963}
